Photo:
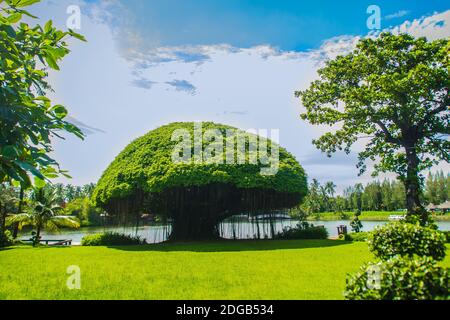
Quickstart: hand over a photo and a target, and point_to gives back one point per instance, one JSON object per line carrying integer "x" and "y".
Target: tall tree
{"x": 393, "y": 91}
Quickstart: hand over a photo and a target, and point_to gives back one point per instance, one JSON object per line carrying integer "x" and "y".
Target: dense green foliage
{"x": 400, "y": 278}
{"x": 146, "y": 165}
{"x": 303, "y": 230}
{"x": 28, "y": 120}
{"x": 8, "y": 205}
{"x": 406, "y": 239}
{"x": 85, "y": 212}
{"x": 393, "y": 91}
{"x": 111, "y": 239}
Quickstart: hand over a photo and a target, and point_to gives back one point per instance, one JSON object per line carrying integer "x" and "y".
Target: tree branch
{"x": 389, "y": 137}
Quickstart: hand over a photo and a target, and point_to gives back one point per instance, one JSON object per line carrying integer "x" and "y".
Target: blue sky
{"x": 288, "y": 25}
{"x": 149, "y": 63}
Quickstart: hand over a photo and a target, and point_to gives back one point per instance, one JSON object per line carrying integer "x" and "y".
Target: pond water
{"x": 239, "y": 230}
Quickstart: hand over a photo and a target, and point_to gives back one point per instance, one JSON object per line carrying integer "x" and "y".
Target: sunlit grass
{"x": 313, "y": 269}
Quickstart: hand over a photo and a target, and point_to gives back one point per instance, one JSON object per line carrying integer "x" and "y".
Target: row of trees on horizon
{"x": 386, "y": 195}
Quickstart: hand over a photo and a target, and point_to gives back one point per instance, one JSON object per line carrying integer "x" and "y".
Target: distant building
{"x": 445, "y": 207}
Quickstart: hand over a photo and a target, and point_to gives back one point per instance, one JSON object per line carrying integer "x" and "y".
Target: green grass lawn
{"x": 307, "y": 269}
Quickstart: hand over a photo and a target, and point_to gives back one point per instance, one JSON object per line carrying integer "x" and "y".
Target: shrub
{"x": 447, "y": 236}
{"x": 344, "y": 215}
{"x": 357, "y": 236}
{"x": 356, "y": 224}
{"x": 400, "y": 278}
{"x": 303, "y": 230}
{"x": 6, "y": 239}
{"x": 111, "y": 239}
{"x": 406, "y": 239}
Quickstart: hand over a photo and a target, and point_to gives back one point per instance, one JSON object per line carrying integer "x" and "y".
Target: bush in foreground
{"x": 406, "y": 239}
{"x": 303, "y": 230}
{"x": 111, "y": 239}
{"x": 400, "y": 278}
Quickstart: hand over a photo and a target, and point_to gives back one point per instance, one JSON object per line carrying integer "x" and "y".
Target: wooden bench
{"x": 394, "y": 217}
{"x": 67, "y": 242}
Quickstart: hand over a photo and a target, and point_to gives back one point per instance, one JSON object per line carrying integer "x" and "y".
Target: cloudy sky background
{"x": 149, "y": 63}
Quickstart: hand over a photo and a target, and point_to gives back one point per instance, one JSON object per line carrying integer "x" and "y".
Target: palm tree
{"x": 330, "y": 188}
{"x": 43, "y": 213}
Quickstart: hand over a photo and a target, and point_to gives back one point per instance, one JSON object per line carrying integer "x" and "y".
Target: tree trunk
{"x": 413, "y": 187}
{"x": 195, "y": 225}
{"x": 19, "y": 210}
{"x": 38, "y": 235}
{"x": 2, "y": 220}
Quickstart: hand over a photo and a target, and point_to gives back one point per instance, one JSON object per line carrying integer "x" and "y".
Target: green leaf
{"x": 25, "y": 3}
{"x": 29, "y": 168}
{"x": 39, "y": 183}
{"x": 10, "y": 152}
{"x": 48, "y": 26}
{"x": 60, "y": 111}
{"x": 14, "y": 18}
{"x": 51, "y": 62}
{"x": 77, "y": 35}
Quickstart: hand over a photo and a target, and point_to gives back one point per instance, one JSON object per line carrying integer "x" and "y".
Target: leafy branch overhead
{"x": 28, "y": 118}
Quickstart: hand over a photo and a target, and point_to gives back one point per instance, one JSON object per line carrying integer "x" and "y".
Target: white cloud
{"x": 398, "y": 14}
{"x": 433, "y": 27}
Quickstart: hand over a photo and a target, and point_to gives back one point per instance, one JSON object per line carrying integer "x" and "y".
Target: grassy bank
{"x": 366, "y": 215}
{"x": 308, "y": 269}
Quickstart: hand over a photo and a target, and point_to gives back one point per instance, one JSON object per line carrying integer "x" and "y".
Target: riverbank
{"x": 366, "y": 216}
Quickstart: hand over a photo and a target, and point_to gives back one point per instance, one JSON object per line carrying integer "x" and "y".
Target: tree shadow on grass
{"x": 233, "y": 245}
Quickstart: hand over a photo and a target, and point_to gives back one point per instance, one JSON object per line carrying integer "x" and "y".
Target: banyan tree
{"x": 198, "y": 174}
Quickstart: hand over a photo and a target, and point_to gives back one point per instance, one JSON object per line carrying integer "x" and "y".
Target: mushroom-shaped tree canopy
{"x": 198, "y": 174}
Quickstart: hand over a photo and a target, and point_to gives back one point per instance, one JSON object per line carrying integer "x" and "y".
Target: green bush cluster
{"x": 111, "y": 239}
{"x": 400, "y": 279}
{"x": 407, "y": 239}
{"x": 357, "y": 236}
{"x": 408, "y": 267}
{"x": 303, "y": 230}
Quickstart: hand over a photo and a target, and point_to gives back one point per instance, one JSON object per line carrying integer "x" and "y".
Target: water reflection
{"x": 230, "y": 230}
